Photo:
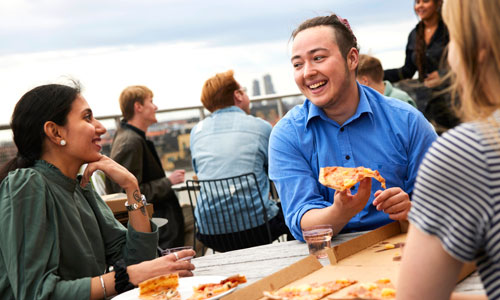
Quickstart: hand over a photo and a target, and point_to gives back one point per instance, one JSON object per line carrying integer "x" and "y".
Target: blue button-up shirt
{"x": 228, "y": 143}
{"x": 384, "y": 134}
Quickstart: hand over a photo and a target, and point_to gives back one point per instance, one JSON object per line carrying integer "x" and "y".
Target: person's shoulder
{"x": 257, "y": 121}
{"x": 396, "y": 92}
{"x": 254, "y": 124}
{"x": 298, "y": 114}
{"x": 482, "y": 134}
{"x": 388, "y": 103}
{"x": 413, "y": 33}
{"x": 22, "y": 178}
{"x": 401, "y": 95}
{"x": 125, "y": 136}
{"x": 294, "y": 120}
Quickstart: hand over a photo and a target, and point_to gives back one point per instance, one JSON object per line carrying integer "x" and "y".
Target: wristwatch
{"x": 136, "y": 206}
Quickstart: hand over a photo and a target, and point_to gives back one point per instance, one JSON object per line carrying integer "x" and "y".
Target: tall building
{"x": 255, "y": 88}
{"x": 268, "y": 85}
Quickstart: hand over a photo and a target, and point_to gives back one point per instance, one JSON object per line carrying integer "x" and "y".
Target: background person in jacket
{"x": 232, "y": 142}
{"x": 424, "y": 53}
{"x": 135, "y": 152}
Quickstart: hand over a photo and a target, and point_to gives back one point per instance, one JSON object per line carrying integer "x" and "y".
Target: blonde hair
{"x": 218, "y": 91}
{"x": 371, "y": 67}
{"x": 130, "y": 95}
{"x": 474, "y": 27}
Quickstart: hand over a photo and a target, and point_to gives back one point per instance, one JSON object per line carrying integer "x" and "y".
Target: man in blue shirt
{"x": 342, "y": 123}
{"x": 232, "y": 142}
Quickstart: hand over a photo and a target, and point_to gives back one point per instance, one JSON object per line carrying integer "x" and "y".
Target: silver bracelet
{"x": 103, "y": 287}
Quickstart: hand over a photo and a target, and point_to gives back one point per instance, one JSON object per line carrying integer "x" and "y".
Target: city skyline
{"x": 172, "y": 46}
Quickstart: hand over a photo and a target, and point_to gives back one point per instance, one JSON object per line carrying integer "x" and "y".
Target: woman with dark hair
{"x": 425, "y": 47}
{"x": 424, "y": 52}
{"x": 58, "y": 236}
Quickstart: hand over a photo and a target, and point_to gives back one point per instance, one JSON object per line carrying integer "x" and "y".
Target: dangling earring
{"x": 63, "y": 142}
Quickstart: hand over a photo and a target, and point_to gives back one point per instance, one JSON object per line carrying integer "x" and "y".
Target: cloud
{"x": 172, "y": 46}
{"x": 32, "y": 26}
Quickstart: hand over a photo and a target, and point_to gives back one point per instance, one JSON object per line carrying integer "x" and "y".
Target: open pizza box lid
{"x": 364, "y": 259}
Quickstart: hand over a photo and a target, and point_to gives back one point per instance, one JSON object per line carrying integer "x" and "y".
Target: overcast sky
{"x": 172, "y": 46}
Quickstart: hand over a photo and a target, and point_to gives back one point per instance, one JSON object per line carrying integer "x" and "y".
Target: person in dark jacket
{"x": 424, "y": 53}
{"x": 132, "y": 150}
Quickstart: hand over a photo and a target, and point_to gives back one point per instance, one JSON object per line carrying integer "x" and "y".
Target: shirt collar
{"x": 228, "y": 109}
{"x": 363, "y": 107}
{"x": 133, "y": 128}
{"x": 52, "y": 172}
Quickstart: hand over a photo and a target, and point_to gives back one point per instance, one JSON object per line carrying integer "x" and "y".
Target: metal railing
{"x": 7, "y": 149}
{"x": 203, "y": 112}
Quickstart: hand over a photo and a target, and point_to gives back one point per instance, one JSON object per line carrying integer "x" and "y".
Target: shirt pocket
{"x": 395, "y": 174}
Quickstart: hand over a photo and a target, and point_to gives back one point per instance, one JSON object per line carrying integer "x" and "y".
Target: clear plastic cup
{"x": 318, "y": 239}
{"x": 172, "y": 250}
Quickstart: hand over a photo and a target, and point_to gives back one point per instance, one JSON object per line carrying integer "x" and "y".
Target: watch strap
{"x": 136, "y": 206}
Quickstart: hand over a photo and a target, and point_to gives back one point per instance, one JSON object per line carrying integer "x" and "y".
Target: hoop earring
{"x": 63, "y": 142}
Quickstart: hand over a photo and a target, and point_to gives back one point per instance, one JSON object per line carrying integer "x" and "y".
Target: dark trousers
{"x": 248, "y": 238}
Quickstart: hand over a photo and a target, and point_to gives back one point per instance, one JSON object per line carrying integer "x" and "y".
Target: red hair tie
{"x": 345, "y": 22}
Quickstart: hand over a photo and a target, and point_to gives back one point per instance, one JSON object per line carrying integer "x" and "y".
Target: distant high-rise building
{"x": 255, "y": 88}
{"x": 268, "y": 85}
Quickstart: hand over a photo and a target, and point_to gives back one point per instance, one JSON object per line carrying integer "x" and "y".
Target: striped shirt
{"x": 457, "y": 197}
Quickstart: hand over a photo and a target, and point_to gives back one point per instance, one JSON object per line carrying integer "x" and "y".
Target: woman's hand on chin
{"x": 113, "y": 170}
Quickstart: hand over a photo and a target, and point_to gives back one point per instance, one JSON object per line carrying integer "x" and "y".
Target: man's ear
{"x": 53, "y": 132}
{"x": 352, "y": 59}
{"x": 237, "y": 97}
{"x": 137, "y": 107}
{"x": 363, "y": 79}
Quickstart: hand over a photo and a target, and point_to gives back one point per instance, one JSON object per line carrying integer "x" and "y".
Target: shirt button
{"x": 347, "y": 157}
{"x": 342, "y": 129}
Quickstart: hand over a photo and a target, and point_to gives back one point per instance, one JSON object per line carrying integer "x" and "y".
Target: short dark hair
{"x": 343, "y": 34}
{"x": 370, "y": 66}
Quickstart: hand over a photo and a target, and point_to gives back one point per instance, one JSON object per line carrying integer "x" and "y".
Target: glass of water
{"x": 318, "y": 239}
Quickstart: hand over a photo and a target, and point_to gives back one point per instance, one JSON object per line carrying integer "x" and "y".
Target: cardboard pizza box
{"x": 366, "y": 258}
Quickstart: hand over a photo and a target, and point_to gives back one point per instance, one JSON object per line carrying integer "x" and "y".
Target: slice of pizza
{"x": 382, "y": 289}
{"x": 209, "y": 290}
{"x": 163, "y": 287}
{"x": 313, "y": 291}
{"x": 340, "y": 178}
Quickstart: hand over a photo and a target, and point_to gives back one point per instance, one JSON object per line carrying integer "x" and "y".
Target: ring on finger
{"x": 176, "y": 256}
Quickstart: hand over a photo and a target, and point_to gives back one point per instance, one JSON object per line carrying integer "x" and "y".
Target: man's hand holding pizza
{"x": 345, "y": 206}
{"x": 350, "y": 204}
{"x": 394, "y": 202}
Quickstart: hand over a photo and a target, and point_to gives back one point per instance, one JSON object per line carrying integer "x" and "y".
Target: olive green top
{"x": 55, "y": 236}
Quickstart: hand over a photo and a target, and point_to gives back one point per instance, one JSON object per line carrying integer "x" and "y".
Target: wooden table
{"x": 258, "y": 262}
